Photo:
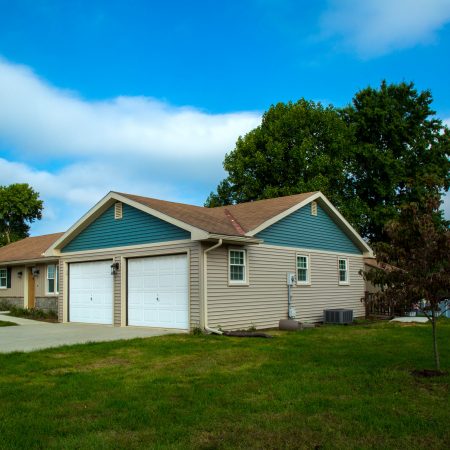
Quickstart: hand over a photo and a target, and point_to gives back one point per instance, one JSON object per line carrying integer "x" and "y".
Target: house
{"x": 27, "y": 278}
{"x": 138, "y": 261}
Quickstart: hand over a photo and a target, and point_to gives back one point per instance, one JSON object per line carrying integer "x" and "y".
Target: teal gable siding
{"x": 135, "y": 227}
{"x": 301, "y": 229}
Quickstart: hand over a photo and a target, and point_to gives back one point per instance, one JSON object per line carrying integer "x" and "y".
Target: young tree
{"x": 19, "y": 207}
{"x": 416, "y": 261}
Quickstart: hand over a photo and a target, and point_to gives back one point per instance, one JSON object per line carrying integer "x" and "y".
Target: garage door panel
{"x": 91, "y": 292}
{"x": 162, "y": 284}
{"x": 150, "y": 282}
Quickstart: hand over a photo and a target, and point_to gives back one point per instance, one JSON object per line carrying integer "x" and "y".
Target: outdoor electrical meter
{"x": 290, "y": 279}
{"x": 292, "y": 313}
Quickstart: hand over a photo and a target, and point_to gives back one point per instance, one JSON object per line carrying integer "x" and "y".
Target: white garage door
{"x": 91, "y": 292}
{"x": 158, "y": 292}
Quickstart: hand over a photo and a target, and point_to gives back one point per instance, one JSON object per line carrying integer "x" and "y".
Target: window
{"x": 343, "y": 270}
{"x": 302, "y": 269}
{"x": 3, "y": 278}
{"x": 52, "y": 279}
{"x": 238, "y": 269}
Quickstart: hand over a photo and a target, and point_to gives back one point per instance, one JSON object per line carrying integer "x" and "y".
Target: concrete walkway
{"x": 410, "y": 319}
{"x": 32, "y": 335}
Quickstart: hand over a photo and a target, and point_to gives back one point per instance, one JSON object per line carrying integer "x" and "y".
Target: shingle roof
{"x": 234, "y": 220}
{"x": 29, "y": 248}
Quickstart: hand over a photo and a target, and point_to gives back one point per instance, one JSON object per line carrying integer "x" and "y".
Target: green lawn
{"x": 330, "y": 387}
{"x": 3, "y": 323}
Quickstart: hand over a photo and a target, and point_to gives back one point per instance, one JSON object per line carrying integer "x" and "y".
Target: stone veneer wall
{"x": 47, "y": 304}
{"x": 13, "y": 301}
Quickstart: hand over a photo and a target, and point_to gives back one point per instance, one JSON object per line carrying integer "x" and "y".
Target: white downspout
{"x": 205, "y": 288}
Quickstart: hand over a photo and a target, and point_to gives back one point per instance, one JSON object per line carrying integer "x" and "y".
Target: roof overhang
{"x": 96, "y": 211}
{"x": 331, "y": 210}
{"x": 19, "y": 262}
{"x": 238, "y": 240}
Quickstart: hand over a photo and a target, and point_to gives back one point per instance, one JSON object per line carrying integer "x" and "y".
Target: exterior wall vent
{"x": 338, "y": 315}
{"x": 314, "y": 208}
{"x": 118, "y": 210}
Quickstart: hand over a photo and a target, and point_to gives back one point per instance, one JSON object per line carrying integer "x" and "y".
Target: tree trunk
{"x": 436, "y": 354}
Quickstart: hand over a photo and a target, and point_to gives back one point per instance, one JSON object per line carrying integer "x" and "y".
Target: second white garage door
{"x": 91, "y": 292}
{"x": 158, "y": 292}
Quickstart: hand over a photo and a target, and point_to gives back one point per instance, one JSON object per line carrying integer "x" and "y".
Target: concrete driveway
{"x": 32, "y": 335}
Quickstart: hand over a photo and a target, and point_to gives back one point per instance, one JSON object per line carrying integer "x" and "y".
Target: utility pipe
{"x": 205, "y": 287}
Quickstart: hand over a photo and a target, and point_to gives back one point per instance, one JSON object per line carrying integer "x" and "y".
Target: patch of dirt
{"x": 107, "y": 362}
{"x": 60, "y": 355}
{"x": 427, "y": 373}
{"x": 100, "y": 364}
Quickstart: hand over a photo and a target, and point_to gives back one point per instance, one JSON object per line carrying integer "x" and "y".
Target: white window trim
{"x": 6, "y": 278}
{"x": 343, "y": 283}
{"x": 47, "y": 293}
{"x": 308, "y": 268}
{"x": 244, "y": 282}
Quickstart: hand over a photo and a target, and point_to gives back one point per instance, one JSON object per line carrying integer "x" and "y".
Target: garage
{"x": 91, "y": 292}
{"x": 158, "y": 292}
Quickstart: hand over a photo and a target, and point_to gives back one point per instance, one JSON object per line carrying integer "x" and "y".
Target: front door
{"x": 31, "y": 290}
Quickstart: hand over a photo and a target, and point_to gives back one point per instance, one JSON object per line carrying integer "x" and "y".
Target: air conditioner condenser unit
{"x": 338, "y": 315}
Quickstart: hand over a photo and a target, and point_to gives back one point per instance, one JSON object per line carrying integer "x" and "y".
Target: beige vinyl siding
{"x": 192, "y": 249}
{"x": 40, "y": 281}
{"x": 117, "y": 294}
{"x": 60, "y": 290}
{"x": 16, "y": 289}
{"x": 264, "y": 301}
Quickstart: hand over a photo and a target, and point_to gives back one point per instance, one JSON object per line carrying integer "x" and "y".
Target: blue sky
{"x": 147, "y": 97}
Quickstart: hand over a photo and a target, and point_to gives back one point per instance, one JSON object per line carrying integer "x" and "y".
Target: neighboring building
{"x": 144, "y": 262}
{"x": 28, "y": 279}
{"x": 371, "y": 263}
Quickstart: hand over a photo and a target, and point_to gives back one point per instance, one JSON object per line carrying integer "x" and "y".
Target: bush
{"x": 32, "y": 313}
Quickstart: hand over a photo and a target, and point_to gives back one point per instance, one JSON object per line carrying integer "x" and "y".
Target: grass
{"x": 7, "y": 324}
{"x": 330, "y": 387}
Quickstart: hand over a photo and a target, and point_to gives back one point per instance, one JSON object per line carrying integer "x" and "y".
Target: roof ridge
{"x": 159, "y": 200}
{"x": 206, "y": 208}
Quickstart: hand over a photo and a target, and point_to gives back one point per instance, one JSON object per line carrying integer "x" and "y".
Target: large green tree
{"x": 298, "y": 147}
{"x": 19, "y": 207}
{"x": 401, "y": 152}
{"x": 386, "y": 148}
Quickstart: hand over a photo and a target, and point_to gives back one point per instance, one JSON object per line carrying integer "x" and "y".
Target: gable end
{"x": 301, "y": 229}
{"x": 133, "y": 228}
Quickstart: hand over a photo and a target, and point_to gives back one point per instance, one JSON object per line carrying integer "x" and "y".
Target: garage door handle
{"x": 157, "y": 299}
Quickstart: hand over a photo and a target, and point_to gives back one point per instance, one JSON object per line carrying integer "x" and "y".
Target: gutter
{"x": 20, "y": 262}
{"x": 205, "y": 288}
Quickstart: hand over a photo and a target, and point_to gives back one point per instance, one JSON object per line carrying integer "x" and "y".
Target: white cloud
{"x": 69, "y": 192}
{"x": 59, "y": 121}
{"x": 376, "y": 27}
{"x": 132, "y": 144}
